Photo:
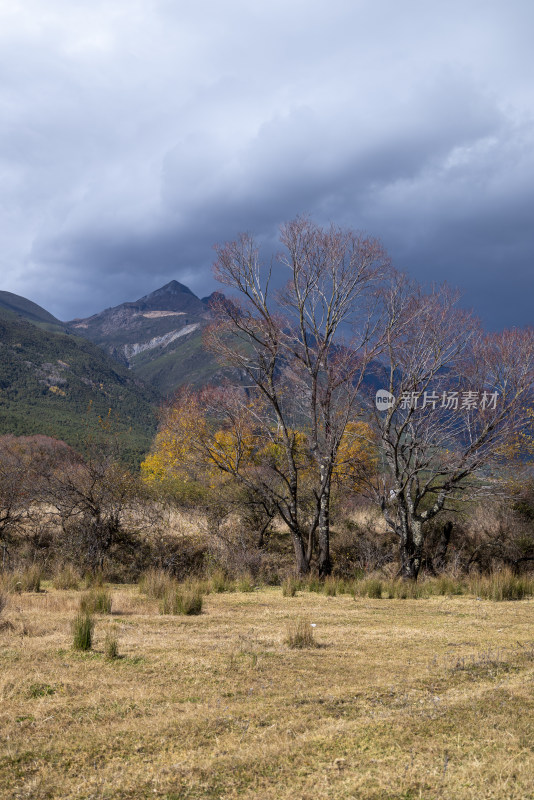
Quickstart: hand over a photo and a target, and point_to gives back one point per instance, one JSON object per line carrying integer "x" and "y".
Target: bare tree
{"x": 25, "y": 462}
{"x": 456, "y": 398}
{"x": 91, "y": 498}
{"x": 15, "y": 493}
{"x": 301, "y": 374}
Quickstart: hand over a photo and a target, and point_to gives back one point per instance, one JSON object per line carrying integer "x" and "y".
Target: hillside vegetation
{"x": 13, "y": 307}
{"x": 58, "y": 384}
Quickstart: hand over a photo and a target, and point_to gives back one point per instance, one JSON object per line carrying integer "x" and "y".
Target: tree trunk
{"x": 324, "y": 561}
{"x": 411, "y": 546}
{"x": 303, "y": 564}
{"x": 443, "y": 546}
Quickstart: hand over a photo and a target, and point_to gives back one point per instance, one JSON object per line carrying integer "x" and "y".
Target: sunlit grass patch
{"x": 220, "y": 706}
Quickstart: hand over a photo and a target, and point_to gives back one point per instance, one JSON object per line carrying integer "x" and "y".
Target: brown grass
{"x": 428, "y": 698}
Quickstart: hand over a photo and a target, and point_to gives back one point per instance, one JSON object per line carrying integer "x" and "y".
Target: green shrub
{"x": 97, "y": 601}
{"x": 82, "y": 632}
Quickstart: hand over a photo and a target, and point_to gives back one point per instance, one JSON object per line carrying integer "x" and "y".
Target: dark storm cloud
{"x": 136, "y": 134}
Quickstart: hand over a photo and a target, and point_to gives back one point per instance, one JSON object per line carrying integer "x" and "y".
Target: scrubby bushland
{"x": 486, "y": 537}
{"x": 71, "y": 518}
{"x": 362, "y": 545}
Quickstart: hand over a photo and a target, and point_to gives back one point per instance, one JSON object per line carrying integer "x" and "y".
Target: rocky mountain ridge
{"x": 158, "y": 336}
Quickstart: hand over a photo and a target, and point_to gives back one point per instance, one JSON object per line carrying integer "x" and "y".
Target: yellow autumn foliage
{"x": 357, "y": 457}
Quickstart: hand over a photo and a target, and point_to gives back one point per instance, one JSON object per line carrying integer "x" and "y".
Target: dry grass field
{"x": 426, "y": 698}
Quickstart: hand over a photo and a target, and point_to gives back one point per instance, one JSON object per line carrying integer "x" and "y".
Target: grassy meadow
{"x": 388, "y": 699}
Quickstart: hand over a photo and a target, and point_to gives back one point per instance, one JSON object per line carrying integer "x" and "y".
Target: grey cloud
{"x": 136, "y": 135}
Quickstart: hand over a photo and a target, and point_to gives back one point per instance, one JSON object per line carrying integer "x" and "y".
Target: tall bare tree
{"x": 304, "y": 351}
{"x": 456, "y": 398}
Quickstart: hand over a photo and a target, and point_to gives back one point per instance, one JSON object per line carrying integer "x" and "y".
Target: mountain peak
{"x": 171, "y": 288}
{"x": 174, "y": 296}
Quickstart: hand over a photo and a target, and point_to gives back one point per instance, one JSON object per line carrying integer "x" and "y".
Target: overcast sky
{"x": 135, "y": 134}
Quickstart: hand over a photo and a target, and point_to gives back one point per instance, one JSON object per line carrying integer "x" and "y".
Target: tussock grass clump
{"x": 300, "y": 635}
{"x": 245, "y": 584}
{"x": 444, "y": 585}
{"x": 369, "y": 587}
{"x": 111, "y": 646}
{"x": 405, "y": 590}
{"x": 331, "y": 587}
{"x": 10, "y": 583}
{"x": 344, "y": 586}
{"x": 178, "y": 601}
{"x": 314, "y": 584}
{"x": 190, "y": 604}
{"x": 30, "y": 578}
{"x": 66, "y": 578}
{"x": 290, "y": 587}
{"x": 27, "y": 580}
{"x": 220, "y": 582}
{"x": 82, "y": 631}
{"x": 3, "y": 601}
{"x": 198, "y": 586}
{"x": 156, "y": 583}
{"x": 96, "y": 601}
{"x": 503, "y": 585}
{"x": 94, "y": 580}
